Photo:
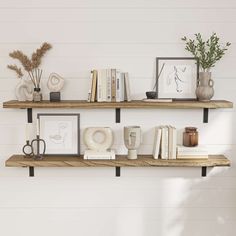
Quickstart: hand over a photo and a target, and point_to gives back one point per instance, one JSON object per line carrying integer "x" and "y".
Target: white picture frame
{"x": 178, "y": 78}
{"x": 61, "y": 133}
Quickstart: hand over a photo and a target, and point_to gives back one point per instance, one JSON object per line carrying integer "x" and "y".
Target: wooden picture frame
{"x": 178, "y": 78}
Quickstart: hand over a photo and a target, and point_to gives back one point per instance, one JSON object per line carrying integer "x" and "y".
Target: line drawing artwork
{"x": 176, "y": 75}
{"x": 60, "y": 136}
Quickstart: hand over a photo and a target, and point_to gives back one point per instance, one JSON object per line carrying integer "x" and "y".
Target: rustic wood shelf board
{"x": 133, "y": 104}
{"x": 121, "y": 161}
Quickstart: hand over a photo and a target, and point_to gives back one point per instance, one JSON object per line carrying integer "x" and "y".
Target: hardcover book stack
{"x": 109, "y": 85}
{"x": 199, "y": 152}
{"x": 165, "y": 142}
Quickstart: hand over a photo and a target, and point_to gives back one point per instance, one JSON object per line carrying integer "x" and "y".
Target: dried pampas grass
{"x": 16, "y": 69}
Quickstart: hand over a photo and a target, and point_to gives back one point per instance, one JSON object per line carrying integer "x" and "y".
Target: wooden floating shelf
{"x": 121, "y": 161}
{"x": 133, "y": 104}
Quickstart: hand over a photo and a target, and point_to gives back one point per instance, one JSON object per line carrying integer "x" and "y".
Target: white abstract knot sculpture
{"x": 55, "y": 82}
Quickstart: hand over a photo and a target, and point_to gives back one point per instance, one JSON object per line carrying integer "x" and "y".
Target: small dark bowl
{"x": 151, "y": 94}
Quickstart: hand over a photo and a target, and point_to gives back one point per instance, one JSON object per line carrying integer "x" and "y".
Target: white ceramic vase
{"x": 24, "y": 90}
{"x": 132, "y": 139}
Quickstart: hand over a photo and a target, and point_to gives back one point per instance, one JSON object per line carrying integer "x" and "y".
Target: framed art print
{"x": 177, "y": 77}
{"x": 61, "y": 133}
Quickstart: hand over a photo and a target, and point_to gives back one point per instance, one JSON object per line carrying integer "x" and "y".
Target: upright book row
{"x": 109, "y": 85}
{"x": 165, "y": 142}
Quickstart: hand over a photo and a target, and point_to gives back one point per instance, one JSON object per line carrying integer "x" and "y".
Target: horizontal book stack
{"x": 109, "y": 85}
{"x": 199, "y": 152}
{"x": 165, "y": 142}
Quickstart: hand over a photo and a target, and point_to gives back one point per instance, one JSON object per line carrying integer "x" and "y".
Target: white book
{"x": 127, "y": 88}
{"x": 99, "y": 86}
{"x": 122, "y": 87}
{"x": 172, "y": 142}
{"x": 192, "y": 151}
{"x": 118, "y": 86}
{"x": 104, "y": 84}
{"x": 164, "y": 143}
{"x": 192, "y": 157}
{"x": 108, "y": 71}
{"x": 157, "y": 143}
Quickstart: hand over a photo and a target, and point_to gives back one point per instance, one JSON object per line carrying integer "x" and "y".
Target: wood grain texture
{"x": 133, "y": 104}
{"x": 121, "y": 160}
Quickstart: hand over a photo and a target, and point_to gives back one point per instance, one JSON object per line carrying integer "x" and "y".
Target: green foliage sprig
{"x": 207, "y": 52}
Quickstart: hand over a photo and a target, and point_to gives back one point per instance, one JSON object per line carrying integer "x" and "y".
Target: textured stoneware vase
{"x": 205, "y": 89}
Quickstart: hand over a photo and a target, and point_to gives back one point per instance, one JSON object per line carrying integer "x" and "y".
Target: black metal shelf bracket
{"x": 117, "y": 171}
{"x": 205, "y": 115}
{"x": 204, "y": 171}
{"x": 31, "y": 171}
{"x": 117, "y": 115}
{"x": 30, "y": 115}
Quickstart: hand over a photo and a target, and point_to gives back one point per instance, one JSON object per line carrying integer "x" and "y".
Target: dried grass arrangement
{"x": 30, "y": 65}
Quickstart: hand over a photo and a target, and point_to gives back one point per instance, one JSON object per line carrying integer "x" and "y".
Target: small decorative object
{"x": 38, "y": 145}
{"x": 132, "y": 138}
{"x": 98, "y": 149}
{"x": 178, "y": 79}
{"x": 24, "y": 89}
{"x": 37, "y": 95}
{"x": 55, "y": 85}
{"x": 27, "y": 148}
{"x": 153, "y": 94}
{"x": 190, "y": 137}
{"x": 60, "y": 133}
{"x": 31, "y": 65}
{"x": 208, "y": 53}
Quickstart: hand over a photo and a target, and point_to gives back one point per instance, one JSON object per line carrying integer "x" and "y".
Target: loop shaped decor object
{"x": 89, "y": 135}
{"x": 55, "y": 82}
{"x": 24, "y": 90}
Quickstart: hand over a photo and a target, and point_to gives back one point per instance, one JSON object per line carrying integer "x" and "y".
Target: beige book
{"x": 94, "y": 86}
{"x": 192, "y": 157}
{"x": 113, "y": 85}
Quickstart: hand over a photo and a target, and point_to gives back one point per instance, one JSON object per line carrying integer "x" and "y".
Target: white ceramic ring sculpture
{"x": 89, "y": 134}
{"x": 55, "y": 82}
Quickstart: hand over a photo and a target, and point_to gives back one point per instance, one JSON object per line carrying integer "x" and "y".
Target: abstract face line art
{"x": 175, "y": 76}
{"x": 60, "y": 136}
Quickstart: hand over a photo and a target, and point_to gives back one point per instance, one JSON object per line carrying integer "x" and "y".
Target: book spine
{"x": 157, "y": 142}
{"x": 108, "y": 85}
{"x": 99, "y": 86}
{"x": 164, "y": 143}
{"x": 118, "y": 86}
{"x": 94, "y": 86}
{"x": 127, "y": 88}
{"x": 113, "y": 85}
{"x": 174, "y": 143}
{"x": 104, "y": 85}
{"x": 122, "y": 87}
{"x": 167, "y": 143}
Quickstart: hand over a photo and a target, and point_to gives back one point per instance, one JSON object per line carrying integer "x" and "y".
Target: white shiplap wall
{"x": 128, "y": 35}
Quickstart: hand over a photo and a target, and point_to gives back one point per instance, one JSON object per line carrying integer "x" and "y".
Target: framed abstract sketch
{"x": 61, "y": 132}
{"x": 177, "y": 77}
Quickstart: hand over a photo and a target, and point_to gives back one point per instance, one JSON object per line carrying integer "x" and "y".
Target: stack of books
{"x": 109, "y": 85}
{"x": 199, "y": 152}
{"x": 165, "y": 142}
